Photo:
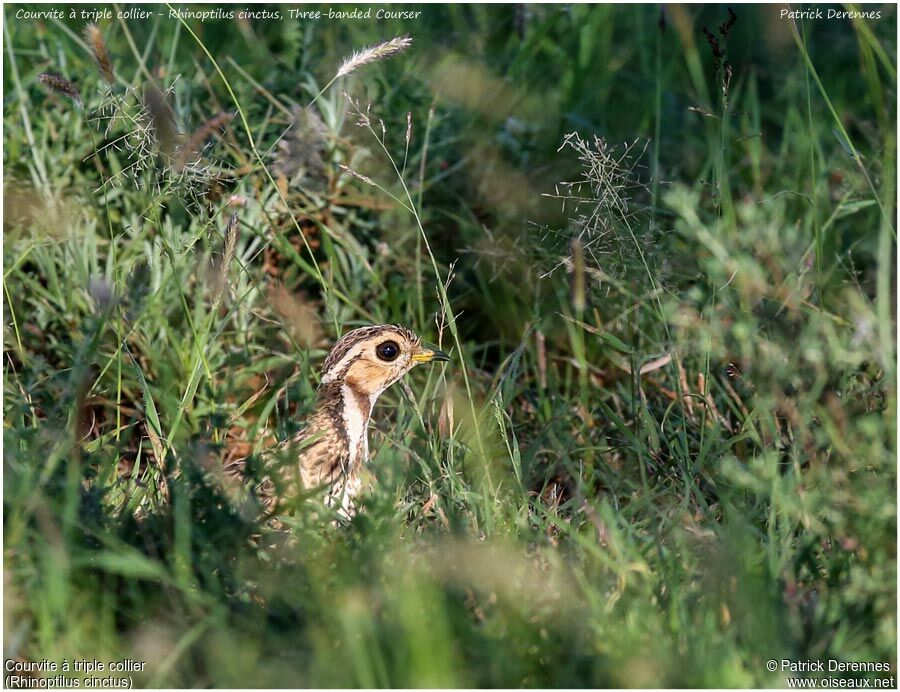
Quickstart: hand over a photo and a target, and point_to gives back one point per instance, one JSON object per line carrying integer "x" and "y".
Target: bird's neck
{"x": 350, "y": 408}
{"x": 356, "y": 412}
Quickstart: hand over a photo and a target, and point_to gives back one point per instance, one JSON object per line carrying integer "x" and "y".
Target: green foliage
{"x": 666, "y": 450}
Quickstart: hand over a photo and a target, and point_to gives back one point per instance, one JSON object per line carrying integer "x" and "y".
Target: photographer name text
{"x": 829, "y": 14}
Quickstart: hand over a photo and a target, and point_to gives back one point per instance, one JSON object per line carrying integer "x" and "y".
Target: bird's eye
{"x": 387, "y": 350}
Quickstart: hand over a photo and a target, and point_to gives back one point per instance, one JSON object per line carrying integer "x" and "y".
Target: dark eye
{"x": 387, "y": 350}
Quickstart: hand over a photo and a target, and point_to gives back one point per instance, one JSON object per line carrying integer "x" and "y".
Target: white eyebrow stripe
{"x": 339, "y": 369}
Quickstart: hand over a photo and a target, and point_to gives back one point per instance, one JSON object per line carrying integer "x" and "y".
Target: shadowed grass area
{"x": 658, "y": 244}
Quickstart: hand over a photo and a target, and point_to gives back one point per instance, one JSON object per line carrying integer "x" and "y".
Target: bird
{"x": 332, "y": 447}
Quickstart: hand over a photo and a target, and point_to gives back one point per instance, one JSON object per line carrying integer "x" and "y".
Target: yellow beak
{"x": 428, "y": 355}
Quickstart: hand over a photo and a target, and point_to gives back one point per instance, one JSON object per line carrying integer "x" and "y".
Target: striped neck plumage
{"x": 356, "y": 409}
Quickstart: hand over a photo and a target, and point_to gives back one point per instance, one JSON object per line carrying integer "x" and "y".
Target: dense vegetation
{"x": 659, "y": 244}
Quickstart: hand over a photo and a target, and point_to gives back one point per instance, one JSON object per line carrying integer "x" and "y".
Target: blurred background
{"x": 659, "y": 242}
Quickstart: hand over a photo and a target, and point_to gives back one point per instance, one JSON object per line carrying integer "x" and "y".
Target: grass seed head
{"x": 376, "y": 53}
{"x": 60, "y": 85}
{"x": 98, "y": 48}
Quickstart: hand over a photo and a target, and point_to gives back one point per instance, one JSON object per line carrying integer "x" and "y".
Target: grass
{"x": 665, "y": 452}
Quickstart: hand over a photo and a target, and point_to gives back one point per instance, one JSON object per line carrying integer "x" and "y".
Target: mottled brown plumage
{"x": 333, "y": 445}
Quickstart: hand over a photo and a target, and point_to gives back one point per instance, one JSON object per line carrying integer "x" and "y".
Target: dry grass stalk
{"x": 647, "y": 368}
{"x": 656, "y": 364}
{"x": 710, "y": 402}
{"x": 736, "y": 398}
{"x": 95, "y": 40}
{"x": 446, "y": 419}
{"x": 686, "y": 391}
{"x": 541, "y": 346}
{"x": 231, "y": 236}
{"x": 376, "y": 53}
{"x": 193, "y": 146}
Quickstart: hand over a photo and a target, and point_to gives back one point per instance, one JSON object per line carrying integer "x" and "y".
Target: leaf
{"x": 849, "y": 208}
{"x": 615, "y": 342}
{"x": 609, "y": 338}
{"x": 94, "y": 445}
{"x": 154, "y": 429}
{"x": 845, "y": 143}
{"x": 129, "y": 563}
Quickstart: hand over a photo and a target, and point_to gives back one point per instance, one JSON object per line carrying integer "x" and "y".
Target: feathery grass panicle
{"x": 60, "y": 85}
{"x": 600, "y": 201}
{"x": 95, "y": 40}
{"x": 366, "y": 56}
{"x": 376, "y": 53}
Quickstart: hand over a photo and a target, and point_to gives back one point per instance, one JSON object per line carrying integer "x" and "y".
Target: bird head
{"x": 371, "y": 359}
